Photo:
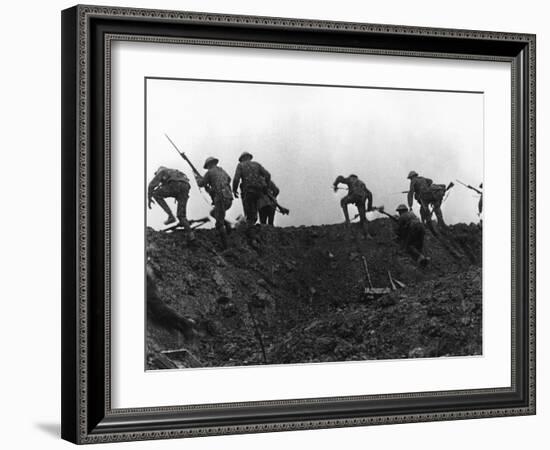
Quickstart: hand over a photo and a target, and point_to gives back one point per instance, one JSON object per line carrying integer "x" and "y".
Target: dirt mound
{"x": 286, "y": 295}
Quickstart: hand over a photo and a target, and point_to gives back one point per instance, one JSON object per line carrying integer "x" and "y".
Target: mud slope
{"x": 294, "y": 294}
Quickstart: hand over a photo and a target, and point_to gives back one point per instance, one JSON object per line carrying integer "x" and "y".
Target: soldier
{"x": 358, "y": 194}
{"x": 254, "y": 180}
{"x": 410, "y": 232}
{"x": 217, "y": 184}
{"x": 266, "y": 204}
{"x": 426, "y": 194}
{"x": 171, "y": 183}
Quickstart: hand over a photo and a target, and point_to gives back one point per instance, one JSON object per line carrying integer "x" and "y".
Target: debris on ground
{"x": 296, "y": 296}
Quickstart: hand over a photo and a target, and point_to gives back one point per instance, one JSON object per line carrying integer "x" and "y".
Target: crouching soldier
{"x": 171, "y": 183}
{"x": 358, "y": 194}
{"x": 217, "y": 183}
{"x": 426, "y": 194}
{"x": 410, "y": 232}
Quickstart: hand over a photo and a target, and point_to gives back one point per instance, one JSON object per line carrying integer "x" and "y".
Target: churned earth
{"x": 296, "y": 295}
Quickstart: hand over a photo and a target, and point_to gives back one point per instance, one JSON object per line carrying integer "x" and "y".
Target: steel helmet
{"x": 245, "y": 155}
{"x": 411, "y": 174}
{"x": 209, "y": 161}
{"x": 402, "y": 207}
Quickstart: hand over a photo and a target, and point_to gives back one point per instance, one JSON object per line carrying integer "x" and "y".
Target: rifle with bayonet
{"x": 470, "y": 187}
{"x": 188, "y": 161}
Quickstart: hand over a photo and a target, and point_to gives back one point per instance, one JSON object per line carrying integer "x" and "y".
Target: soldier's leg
{"x": 426, "y": 215}
{"x": 182, "y": 214}
{"x": 263, "y": 214}
{"x": 218, "y": 213}
{"x": 411, "y": 245}
{"x": 250, "y": 202}
{"x": 227, "y": 204}
{"x": 363, "y": 222}
{"x": 439, "y": 214}
{"x": 159, "y": 195}
{"x": 344, "y": 204}
{"x": 271, "y": 216}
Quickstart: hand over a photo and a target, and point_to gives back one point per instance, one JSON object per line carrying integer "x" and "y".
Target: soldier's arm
{"x": 265, "y": 174}
{"x": 339, "y": 179}
{"x": 369, "y": 200}
{"x": 236, "y": 179}
{"x": 157, "y": 179}
{"x": 410, "y": 195}
{"x": 202, "y": 181}
{"x": 274, "y": 189}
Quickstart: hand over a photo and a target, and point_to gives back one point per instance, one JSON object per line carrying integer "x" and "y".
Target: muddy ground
{"x": 295, "y": 295}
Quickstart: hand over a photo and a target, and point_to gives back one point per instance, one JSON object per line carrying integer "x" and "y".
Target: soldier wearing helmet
{"x": 171, "y": 183}
{"x": 410, "y": 232}
{"x": 426, "y": 194}
{"x": 218, "y": 184}
{"x": 358, "y": 194}
{"x": 254, "y": 181}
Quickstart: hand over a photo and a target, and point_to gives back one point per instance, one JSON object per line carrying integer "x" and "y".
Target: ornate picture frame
{"x": 88, "y": 33}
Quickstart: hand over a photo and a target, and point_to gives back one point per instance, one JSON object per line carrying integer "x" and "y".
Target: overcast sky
{"x": 307, "y": 135}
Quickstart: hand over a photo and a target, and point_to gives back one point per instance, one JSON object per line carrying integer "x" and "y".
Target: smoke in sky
{"x": 308, "y": 135}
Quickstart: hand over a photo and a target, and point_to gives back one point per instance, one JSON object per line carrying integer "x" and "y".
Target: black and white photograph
{"x": 305, "y": 223}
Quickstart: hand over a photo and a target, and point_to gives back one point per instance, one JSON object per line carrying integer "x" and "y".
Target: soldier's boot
{"x": 171, "y": 219}
{"x": 162, "y": 203}
{"x": 346, "y": 214}
{"x": 185, "y": 224}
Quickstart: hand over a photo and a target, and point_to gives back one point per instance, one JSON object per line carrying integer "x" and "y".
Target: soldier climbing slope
{"x": 217, "y": 183}
{"x": 254, "y": 180}
{"x": 267, "y": 205}
{"x": 426, "y": 194}
{"x": 358, "y": 194}
{"x": 410, "y": 232}
{"x": 171, "y": 183}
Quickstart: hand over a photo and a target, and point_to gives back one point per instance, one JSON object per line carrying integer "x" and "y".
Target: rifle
{"x": 186, "y": 159}
{"x": 380, "y": 209}
{"x": 470, "y": 187}
{"x": 284, "y": 211}
{"x": 184, "y": 156}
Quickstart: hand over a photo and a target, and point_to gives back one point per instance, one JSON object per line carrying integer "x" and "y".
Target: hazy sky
{"x": 307, "y": 135}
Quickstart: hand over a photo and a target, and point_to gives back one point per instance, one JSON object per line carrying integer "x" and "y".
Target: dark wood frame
{"x": 87, "y": 415}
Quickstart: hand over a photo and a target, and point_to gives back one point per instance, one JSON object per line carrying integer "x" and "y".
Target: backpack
{"x": 251, "y": 176}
